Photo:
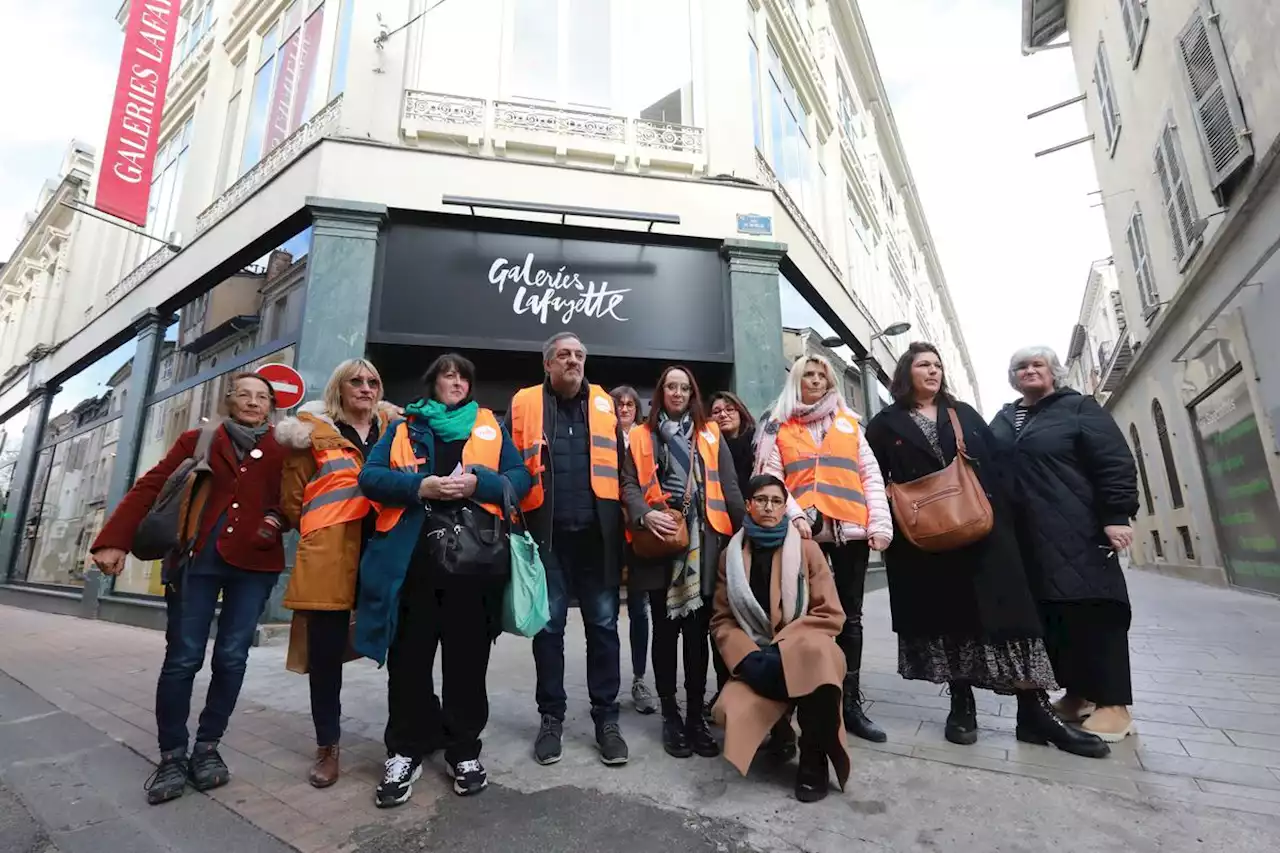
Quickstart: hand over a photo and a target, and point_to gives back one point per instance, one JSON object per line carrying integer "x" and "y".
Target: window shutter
{"x": 1106, "y": 96}
{"x": 1137, "y": 261}
{"x": 1184, "y": 202}
{"x": 1214, "y": 99}
{"x": 1163, "y": 167}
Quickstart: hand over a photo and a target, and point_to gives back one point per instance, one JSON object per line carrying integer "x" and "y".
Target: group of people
{"x": 739, "y": 543}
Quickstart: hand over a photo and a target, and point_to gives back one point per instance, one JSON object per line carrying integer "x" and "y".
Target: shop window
{"x": 1142, "y": 468}
{"x": 12, "y": 433}
{"x": 1166, "y": 451}
{"x": 283, "y": 97}
{"x": 338, "y": 79}
{"x": 1156, "y": 545}
{"x": 562, "y": 51}
{"x": 803, "y": 328}
{"x": 73, "y": 472}
{"x": 1188, "y": 547}
{"x": 166, "y": 188}
{"x": 664, "y": 91}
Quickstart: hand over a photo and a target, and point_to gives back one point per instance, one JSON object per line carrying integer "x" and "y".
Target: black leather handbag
{"x": 465, "y": 540}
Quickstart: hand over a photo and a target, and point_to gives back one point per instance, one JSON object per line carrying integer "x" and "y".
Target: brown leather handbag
{"x": 945, "y": 510}
{"x": 650, "y": 547}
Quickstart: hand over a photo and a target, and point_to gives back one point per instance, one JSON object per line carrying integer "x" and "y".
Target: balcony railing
{"x": 1114, "y": 371}
{"x": 513, "y": 126}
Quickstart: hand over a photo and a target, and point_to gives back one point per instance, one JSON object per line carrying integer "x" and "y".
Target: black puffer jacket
{"x": 1073, "y": 475}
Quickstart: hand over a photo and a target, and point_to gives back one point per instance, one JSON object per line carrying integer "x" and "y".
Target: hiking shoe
{"x": 207, "y": 770}
{"x": 643, "y": 697}
{"x": 399, "y": 774}
{"x": 170, "y": 779}
{"x": 468, "y": 777}
{"x": 547, "y": 748}
{"x": 613, "y": 749}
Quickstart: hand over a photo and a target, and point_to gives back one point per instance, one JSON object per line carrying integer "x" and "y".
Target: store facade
{"x": 336, "y": 281}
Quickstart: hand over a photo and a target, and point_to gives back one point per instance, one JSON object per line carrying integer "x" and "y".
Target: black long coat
{"x": 979, "y": 592}
{"x": 1073, "y": 474}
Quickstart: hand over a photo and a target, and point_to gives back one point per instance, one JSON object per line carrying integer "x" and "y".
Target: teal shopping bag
{"x": 525, "y": 610}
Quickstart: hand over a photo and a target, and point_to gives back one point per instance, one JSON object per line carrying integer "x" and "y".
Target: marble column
{"x": 756, "y": 316}
{"x": 335, "y": 322}
{"x": 23, "y": 475}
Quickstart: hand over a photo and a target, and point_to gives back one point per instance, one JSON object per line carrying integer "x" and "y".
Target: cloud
{"x": 1015, "y": 233}
{"x": 58, "y": 59}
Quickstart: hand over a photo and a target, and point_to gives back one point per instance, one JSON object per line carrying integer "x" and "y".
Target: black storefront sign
{"x": 486, "y": 290}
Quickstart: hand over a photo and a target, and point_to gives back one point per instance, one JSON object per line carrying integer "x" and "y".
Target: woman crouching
{"x": 776, "y": 620}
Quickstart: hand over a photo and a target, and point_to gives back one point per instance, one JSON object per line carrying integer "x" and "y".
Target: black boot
{"x": 781, "y": 743}
{"x": 674, "y": 740}
{"x": 1037, "y": 723}
{"x": 962, "y": 722}
{"x": 696, "y": 731}
{"x": 855, "y": 721}
{"x": 812, "y": 779}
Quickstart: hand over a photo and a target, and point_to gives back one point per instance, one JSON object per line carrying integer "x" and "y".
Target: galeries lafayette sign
{"x": 454, "y": 287}
{"x": 134, "y": 132}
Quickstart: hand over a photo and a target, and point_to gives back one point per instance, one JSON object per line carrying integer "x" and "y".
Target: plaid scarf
{"x": 676, "y": 464}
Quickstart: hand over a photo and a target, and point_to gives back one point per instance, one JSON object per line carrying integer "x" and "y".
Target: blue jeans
{"x": 638, "y": 617}
{"x": 574, "y": 569}
{"x": 191, "y": 610}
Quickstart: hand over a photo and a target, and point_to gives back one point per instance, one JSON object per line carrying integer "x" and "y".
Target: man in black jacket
{"x": 1077, "y": 489}
{"x": 567, "y": 431}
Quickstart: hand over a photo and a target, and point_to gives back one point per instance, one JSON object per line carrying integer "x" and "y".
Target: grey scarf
{"x": 244, "y": 438}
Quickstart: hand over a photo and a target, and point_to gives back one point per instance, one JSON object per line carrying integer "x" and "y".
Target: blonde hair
{"x": 333, "y": 388}
{"x": 782, "y": 410}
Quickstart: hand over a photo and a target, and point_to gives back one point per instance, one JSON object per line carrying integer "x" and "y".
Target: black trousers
{"x": 455, "y": 618}
{"x": 327, "y": 636}
{"x": 695, "y": 628}
{"x": 849, "y": 566}
{"x": 1088, "y": 645}
{"x": 819, "y": 717}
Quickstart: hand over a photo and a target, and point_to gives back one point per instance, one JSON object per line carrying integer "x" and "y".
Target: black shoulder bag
{"x": 465, "y": 540}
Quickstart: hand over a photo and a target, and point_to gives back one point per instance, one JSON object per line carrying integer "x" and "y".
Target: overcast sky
{"x": 1015, "y": 233}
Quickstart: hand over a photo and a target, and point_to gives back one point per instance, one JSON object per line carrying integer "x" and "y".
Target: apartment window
{"x": 1215, "y": 103}
{"x": 1142, "y": 468}
{"x": 792, "y": 155}
{"x": 1134, "y": 15}
{"x": 1185, "y": 225}
{"x": 1136, "y": 237}
{"x": 197, "y": 20}
{"x": 849, "y": 117}
{"x": 1188, "y": 547}
{"x": 338, "y": 79}
{"x": 562, "y": 52}
{"x": 282, "y": 96}
{"x": 886, "y": 195}
{"x": 230, "y": 130}
{"x": 1166, "y": 451}
{"x": 166, "y": 187}
{"x": 1157, "y": 545}
{"x": 757, "y": 119}
{"x": 1106, "y": 97}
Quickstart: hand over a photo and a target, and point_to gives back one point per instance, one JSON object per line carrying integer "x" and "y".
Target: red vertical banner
{"x": 134, "y": 132}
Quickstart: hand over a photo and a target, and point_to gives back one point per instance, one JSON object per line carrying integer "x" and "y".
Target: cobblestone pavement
{"x": 1202, "y": 774}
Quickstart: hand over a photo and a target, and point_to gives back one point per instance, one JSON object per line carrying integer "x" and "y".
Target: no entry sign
{"x": 287, "y": 382}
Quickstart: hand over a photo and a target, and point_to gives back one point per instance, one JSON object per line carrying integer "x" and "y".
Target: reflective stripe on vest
{"x": 482, "y": 450}
{"x": 716, "y": 509}
{"x": 826, "y": 477}
{"x": 527, "y": 433}
{"x": 332, "y": 496}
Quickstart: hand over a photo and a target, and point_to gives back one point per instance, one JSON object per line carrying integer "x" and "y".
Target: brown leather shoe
{"x": 325, "y": 771}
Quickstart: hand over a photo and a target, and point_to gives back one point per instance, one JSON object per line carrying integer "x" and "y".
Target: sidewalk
{"x": 1203, "y": 774}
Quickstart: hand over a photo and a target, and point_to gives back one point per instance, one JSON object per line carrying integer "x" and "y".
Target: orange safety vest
{"x": 482, "y": 450}
{"x": 825, "y": 477}
{"x": 717, "y": 511}
{"x": 526, "y": 432}
{"x": 332, "y": 496}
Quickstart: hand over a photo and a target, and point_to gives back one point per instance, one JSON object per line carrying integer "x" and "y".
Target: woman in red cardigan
{"x": 237, "y": 554}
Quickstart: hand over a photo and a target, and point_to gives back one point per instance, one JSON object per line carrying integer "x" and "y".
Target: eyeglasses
{"x": 768, "y": 501}
{"x": 363, "y": 382}
{"x": 721, "y": 411}
{"x": 626, "y": 404}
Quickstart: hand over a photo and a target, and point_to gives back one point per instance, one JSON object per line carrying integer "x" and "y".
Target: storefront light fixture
{"x": 890, "y": 331}
{"x": 561, "y": 210}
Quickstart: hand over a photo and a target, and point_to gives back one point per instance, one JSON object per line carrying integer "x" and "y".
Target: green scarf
{"x": 445, "y": 423}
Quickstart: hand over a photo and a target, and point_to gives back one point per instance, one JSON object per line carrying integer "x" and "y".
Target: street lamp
{"x": 892, "y": 330}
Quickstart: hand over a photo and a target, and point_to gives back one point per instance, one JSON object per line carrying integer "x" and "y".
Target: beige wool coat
{"x": 810, "y": 658}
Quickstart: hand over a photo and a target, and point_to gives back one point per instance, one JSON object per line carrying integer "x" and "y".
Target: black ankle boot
{"x": 812, "y": 780}
{"x": 962, "y": 722}
{"x": 698, "y": 734}
{"x": 674, "y": 740}
{"x": 856, "y": 721}
{"x": 781, "y": 743}
{"x": 1037, "y": 723}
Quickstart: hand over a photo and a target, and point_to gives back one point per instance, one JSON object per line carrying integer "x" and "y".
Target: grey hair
{"x": 549, "y": 348}
{"x": 1020, "y": 358}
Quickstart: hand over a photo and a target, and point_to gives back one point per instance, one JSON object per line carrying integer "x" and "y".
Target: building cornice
{"x": 72, "y": 187}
